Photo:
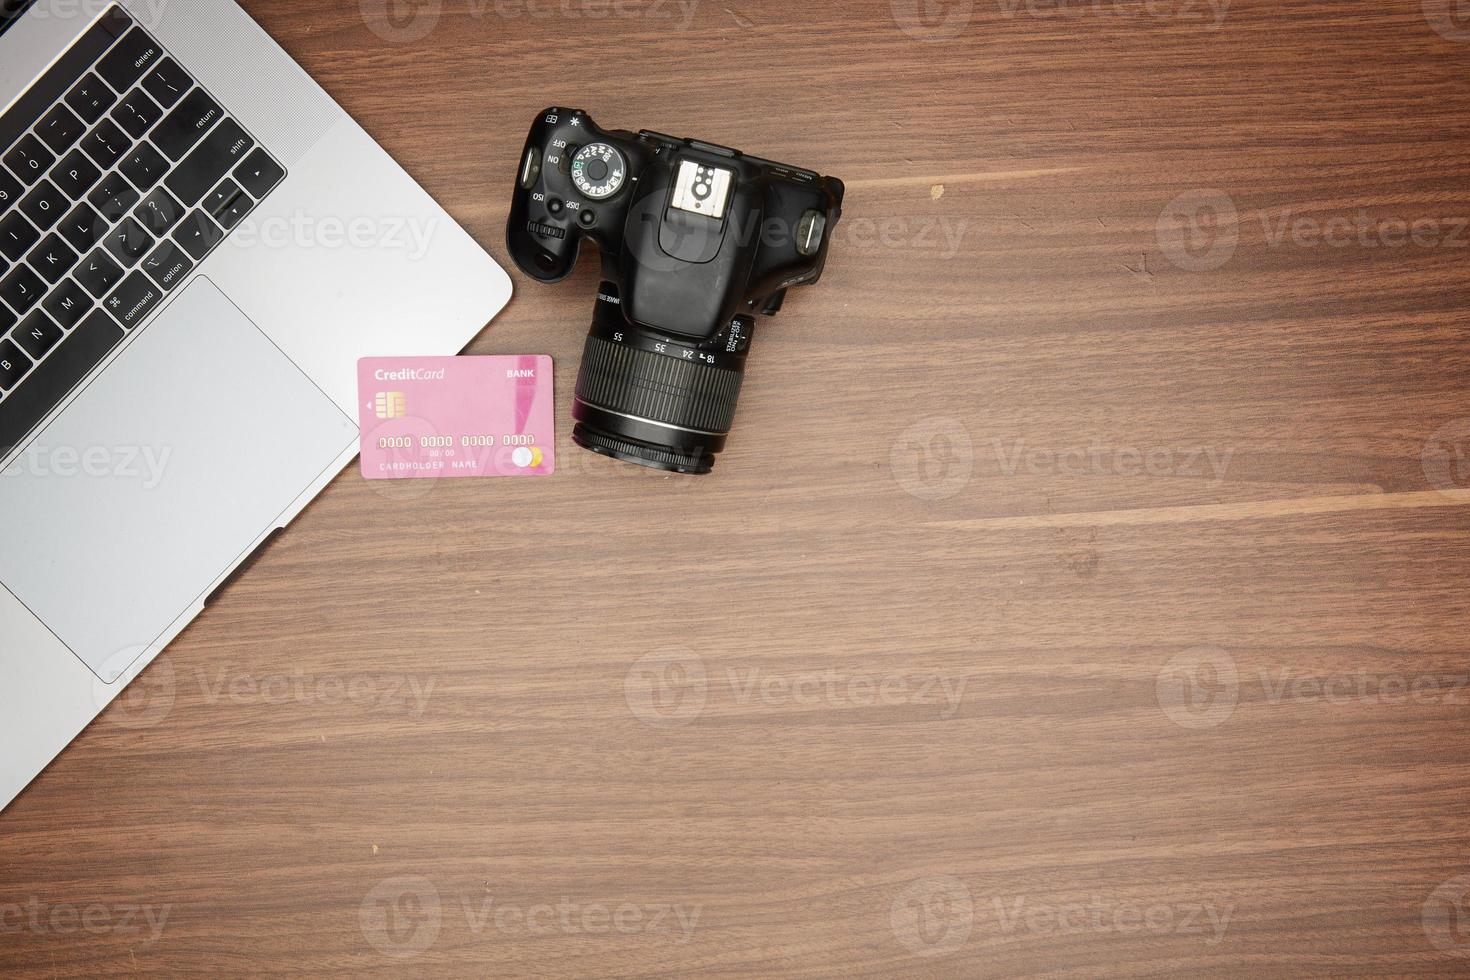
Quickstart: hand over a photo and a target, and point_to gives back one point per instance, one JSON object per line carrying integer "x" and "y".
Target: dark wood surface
{"x": 1083, "y": 591}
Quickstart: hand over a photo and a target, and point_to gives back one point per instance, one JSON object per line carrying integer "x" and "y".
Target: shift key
{"x": 221, "y": 150}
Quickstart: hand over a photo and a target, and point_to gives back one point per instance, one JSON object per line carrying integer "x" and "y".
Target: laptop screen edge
{"x": 11, "y": 11}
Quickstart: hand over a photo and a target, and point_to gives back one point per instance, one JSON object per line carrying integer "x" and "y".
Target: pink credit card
{"x": 436, "y": 417}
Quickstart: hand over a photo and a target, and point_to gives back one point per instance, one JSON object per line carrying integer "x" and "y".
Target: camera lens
{"x": 649, "y": 400}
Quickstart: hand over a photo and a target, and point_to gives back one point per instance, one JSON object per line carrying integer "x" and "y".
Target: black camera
{"x": 695, "y": 238}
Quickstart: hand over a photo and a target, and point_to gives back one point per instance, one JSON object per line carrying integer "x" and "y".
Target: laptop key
{"x": 29, "y": 159}
{"x": 37, "y": 335}
{"x": 7, "y": 318}
{"x": 83, "y": 228}
{"x": 22, "y": 289}
{"x": 53, "y": 258}
{"x": 98, "y": 273}
{"x": 220, "y": 151}
{"x": 128, "y": 243}
{"x": 259, "y": 173}
{"x": 219, "y": 199}
{"x": 106, "y": 144}
{"x": 198, "y": 234}
{"x": 127, "y": 62}
{"x": 114, "y": 197}
{"x": 159, "y": 212}
{"x": 17, "y": 235}
{"x": 133, "y": 300}
{"x": 67, "y": 304}
{"x": 137, "y": 113}
{"x": 90, "y": 98}
{"x": 44, "y": 205}
{"x": 168, "y": 265}
{"x": 144, "y": 166}
{"x": 58, "y": 374}
{"x": 236, "y": 212}
{"x": 10, "y": 191}
{"x": 187, "y": 124}
{"x": 13, "y": 366}
{"x": 75, "y": 174}
{"x": 167, "y": 83}
{"x": 60, "y": 128}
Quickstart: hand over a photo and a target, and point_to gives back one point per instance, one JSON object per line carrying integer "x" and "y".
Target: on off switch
{"x": 530, "y": 168}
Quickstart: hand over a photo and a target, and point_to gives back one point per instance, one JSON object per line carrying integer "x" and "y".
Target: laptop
{"x": 196, "y": 246}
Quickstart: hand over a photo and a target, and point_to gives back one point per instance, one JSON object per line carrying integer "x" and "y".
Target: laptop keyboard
{"x": 118, "y": 175}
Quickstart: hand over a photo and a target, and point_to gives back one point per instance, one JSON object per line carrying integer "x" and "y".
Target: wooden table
{"x": 1083, "y": 591}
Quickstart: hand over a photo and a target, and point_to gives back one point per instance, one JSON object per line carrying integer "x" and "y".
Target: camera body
{"x": 695, "y": 239}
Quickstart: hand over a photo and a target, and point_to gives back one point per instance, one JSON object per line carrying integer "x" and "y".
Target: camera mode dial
{"x": 599, "y": 171}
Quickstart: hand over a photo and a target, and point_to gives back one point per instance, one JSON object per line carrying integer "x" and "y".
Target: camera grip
{"x": 541, "y": 255}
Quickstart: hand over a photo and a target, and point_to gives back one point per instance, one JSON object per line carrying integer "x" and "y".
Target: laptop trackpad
{"x": 157, "y": 478}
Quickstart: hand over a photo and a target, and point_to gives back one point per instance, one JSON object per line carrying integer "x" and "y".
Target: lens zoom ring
{"x": 662, "y": 389}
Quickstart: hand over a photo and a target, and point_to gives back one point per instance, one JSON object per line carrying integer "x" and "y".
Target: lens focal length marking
{"x": 662, "y": 345}
{"x": 726, "y": 350}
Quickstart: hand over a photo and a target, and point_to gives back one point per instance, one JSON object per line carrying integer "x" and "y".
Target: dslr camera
{"x": 696, "y": 239}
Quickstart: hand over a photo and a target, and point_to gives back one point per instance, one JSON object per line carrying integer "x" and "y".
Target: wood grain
{"x": 1082, "y": 592}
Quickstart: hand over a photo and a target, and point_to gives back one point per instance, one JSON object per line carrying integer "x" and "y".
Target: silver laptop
{"x": 196, "y": 246}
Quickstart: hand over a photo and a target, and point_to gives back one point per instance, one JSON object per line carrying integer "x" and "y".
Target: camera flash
{"x": 701, "y": 189}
